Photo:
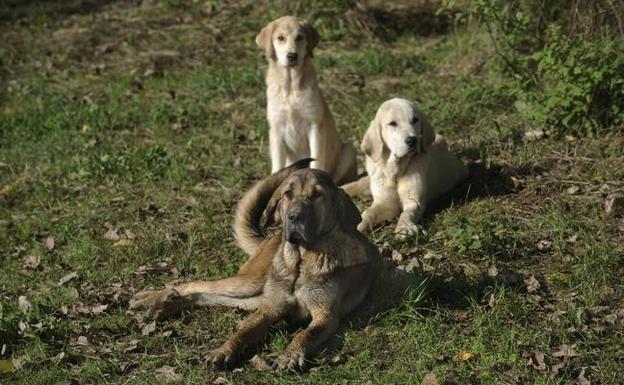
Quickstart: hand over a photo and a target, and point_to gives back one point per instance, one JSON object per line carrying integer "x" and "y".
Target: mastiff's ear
{"x": 265, "y": 40}
{"x": 348, "y": 214}
{"x": 312, "y": 37}
{"x": 372, "y": 143}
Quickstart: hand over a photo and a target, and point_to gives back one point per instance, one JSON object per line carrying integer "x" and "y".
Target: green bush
{"x": 569, "y": 70}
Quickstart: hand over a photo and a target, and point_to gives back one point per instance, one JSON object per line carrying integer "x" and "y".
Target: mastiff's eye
{"x": 392, "y": 124}
{"x": 288, "y": 194}
{"x": 299, "y": 37}
{"x": 280, "y": 38}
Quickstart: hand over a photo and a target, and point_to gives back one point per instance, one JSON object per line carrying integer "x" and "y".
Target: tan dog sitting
{"x": 316, "y": 268}
{"x": 301, "y": 124}
{"x": 408, "y": 166}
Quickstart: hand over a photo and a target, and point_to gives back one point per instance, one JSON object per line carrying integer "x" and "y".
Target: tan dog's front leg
{"x": 277, "y": 150}
{"x": 318, "y": 148}
{"x": 251, "y": 331}
{"x": 323, "y": 325}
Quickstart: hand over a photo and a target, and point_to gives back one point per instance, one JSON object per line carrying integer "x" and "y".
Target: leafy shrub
{"x": 569, "y": 69}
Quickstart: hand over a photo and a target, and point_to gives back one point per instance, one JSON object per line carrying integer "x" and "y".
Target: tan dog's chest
{"x": 293, "y": 115}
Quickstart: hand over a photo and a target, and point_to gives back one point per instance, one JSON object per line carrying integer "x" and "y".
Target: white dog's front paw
{"x": 406, "y": 228}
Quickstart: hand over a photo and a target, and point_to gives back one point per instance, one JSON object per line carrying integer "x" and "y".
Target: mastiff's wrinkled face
{"x": 310, "y": 206}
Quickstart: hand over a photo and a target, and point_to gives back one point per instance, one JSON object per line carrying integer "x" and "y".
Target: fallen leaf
{"x": 6, "y": 366}
{"x": 470, "y": 269}
{"x": 167, "y": 373}
{"x": 82, "y": 341}
{"x": 123, "y": 243}
{"x": 220, "y": 381}
{"x": 572, "y": 190}
{"x": 566, "y": 351}
{"x": 68, "y": 278}
{"x": 31, "y": 262}
{"x": 492, "y": 271}
{"x": 17, "y": 363}
{"x": 614, "y": 205}
{"x": 97, "y": 309}
{"x": 23, "y": 305}
{"x": 429, "y": 379}
{"x": 532, "y": 284}
{"x": 581, "y": 380}
{"x": 535, "y": 134}
{"x": 537, "y": 361}
{"x": 464, "y": 356}
{"x": 397, "y": 257}
{"x": 111, "y": 235}
{"x": 412, "y": 264}
{"x": 58, "y": 358}
{"x": 544, "y": 244}
{"x": 49, "y": 243}
{"x": 148, "y": 328}
{"x": 554, "y": 370}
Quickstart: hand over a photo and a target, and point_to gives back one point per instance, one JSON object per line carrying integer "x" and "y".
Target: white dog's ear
{"x": 312, "y": 37}
{"x": 265, "y": 40}
{"x": 372, "y": 143}
{"x": 428, "y": 134}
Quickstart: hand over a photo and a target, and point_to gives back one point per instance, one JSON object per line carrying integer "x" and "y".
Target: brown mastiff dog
{"x": 316, "y": 268}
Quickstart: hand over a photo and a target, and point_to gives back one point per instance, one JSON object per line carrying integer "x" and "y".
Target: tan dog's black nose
{"x": 411, "y": 141}
{"x": 291, "y": 56}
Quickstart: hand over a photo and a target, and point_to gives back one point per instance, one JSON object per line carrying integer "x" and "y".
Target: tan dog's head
{"x": 288, "y": 41}
{"x": 398, "y": 128}
{"x": 309, "y": 206}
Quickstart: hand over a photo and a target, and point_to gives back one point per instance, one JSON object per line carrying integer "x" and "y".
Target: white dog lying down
{"x": 408, "y": 166}
{"x": 301, "y": 124}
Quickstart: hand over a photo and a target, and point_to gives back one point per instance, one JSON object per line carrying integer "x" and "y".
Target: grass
{"x": 150, "y": 120}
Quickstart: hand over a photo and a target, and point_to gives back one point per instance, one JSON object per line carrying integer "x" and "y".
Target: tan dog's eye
{"x": 299, "y": 37}
{"x": 288, "y": 194}
{"x": 392, "y": 124}
{"x": 280, "y": 38}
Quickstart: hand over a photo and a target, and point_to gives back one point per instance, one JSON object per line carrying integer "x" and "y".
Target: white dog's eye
{"x": 392, "y": 124}
{"x": 415, "y": 120}
{"x": 280, "y": 38}
{"x": 299, "y": 37}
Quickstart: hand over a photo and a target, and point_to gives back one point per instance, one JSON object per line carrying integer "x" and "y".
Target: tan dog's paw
{"x": 223, "y": 356}
{"x": 158, "y": 303}
{"x": 292, "y": 359}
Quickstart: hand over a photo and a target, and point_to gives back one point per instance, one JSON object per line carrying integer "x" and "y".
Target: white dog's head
{"x": 288, "y": 41}
{"x": 399, "y": 128}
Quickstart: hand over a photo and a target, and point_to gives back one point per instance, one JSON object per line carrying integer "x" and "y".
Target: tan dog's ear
{"x": 312, "y": 37}
{"x": 348, "y": 214}
{"x": 372, "y": 143}
{"x": 265, "y": 40}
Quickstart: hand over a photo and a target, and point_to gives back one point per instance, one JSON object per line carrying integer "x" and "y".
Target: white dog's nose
{"x": 291, "y": 56}
{"x": 411, "y": 141}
